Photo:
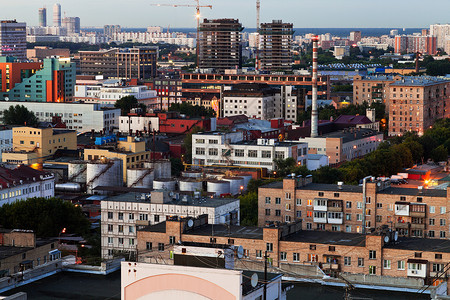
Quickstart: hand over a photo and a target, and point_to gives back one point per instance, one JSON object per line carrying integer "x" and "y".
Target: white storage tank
{"x": 192, "y": 174}
{"x": 214, "y": 175}
{"x": 77, "y": 171}
{"x": 164, "y": 184}
{"x": 235, "y": 184}
{"x": 162, "y": 168}
{"x": 218, "y": 187}
{"x": 140, "y": 177}
{"x": 247, "y": 177}
{"x": 107, "y": 172}
{"x": 190, "y": 185}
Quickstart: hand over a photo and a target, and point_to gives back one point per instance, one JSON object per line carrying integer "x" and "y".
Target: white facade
{"x": 230, "y": 149}
{"x": 316, "y": 161}
{"x": 109, "y": 95}
{"x": 121, "y": 215}
{"x": 441, "y": 32}
{"x": 140, "y": 123}
{"x": 253, "y": 107}
{"x": 6, "y": 141}
{"x": 78, "y": 116}
{"x": 37, "y": 187}
{"x": 154, "y": 37}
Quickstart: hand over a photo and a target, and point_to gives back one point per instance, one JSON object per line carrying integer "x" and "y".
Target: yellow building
{"x": 32, "y": 145}
{"x": 132, "y": 153}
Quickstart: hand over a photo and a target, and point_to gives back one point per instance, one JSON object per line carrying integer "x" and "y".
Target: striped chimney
{"x": 314, "y": 112}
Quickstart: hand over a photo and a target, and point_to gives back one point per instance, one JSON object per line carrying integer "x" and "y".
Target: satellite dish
{"x": 240, "y": 252}
{"x": 386, "y": 239}
{"x": 254, "y": 280}
{"x": 190, "y": 223}
{"x": 396, "y": 236}
{"x": 379, "y": 183}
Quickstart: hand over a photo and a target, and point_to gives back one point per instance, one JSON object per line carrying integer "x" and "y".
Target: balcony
{"x": 418, "y": 226}
{"x": 320, "y": 219}
{"x": 142, "y": 223}
{"x": 404, "y": 225}
{"x": 320, "y": 204}
{"x": 335, "y": 209}
{"x": 417, "y": 214}
{"x": 335, "y": 221}
{"x": 330, "y": 266}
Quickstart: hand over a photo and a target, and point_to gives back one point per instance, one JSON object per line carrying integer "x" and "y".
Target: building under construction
{"x": 275, "y": 52}
{"x": 220, "y": 47}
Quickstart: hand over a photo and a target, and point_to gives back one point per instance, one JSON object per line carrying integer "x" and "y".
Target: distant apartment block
{"x": 416, "y": 43}
{"x": 50, "y": 81}
{"x": 441, "y": 32}
{"x": 275, "y": 52}
{"x": 39, "y": 53}
{"x": 220, "y": 47}
{"x": 13, "y": 39}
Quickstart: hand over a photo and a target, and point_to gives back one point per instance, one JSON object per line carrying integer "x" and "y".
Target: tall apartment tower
{"x": 43, "y": 17}
{"x": 220, "y": 46}
{"x": 72, "y": 25}
{"x": 57, "y": 15}
{"x": 275, "y": 52}
{"x": 13, "y": 39}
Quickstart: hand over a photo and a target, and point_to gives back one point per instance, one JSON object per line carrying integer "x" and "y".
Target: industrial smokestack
{"x": 314, "y": 112}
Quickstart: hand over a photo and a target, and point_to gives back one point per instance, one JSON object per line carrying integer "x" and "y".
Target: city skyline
{"x": 329, "y": 14}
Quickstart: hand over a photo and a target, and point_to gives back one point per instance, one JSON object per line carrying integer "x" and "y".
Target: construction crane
{"x": 197, "y": 16}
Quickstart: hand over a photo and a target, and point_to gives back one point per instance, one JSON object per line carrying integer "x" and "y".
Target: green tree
{"x": 327, "y": 174}
{"x": 19, "y": 115}
{"x": 193, "y": 111}
{"x": 439, "y": 154}
{"x": 284, "y": 166}
{"x": 176, "y": 166}
{"x": 46, "y": 217}
{"x": 249, "y": 209}
{"x": 127, "y": 103}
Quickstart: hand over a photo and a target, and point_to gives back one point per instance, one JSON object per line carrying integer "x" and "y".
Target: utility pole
{"x": 265, "y": 275}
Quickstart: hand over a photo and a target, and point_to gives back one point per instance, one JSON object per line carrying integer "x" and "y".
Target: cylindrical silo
{"x": 140, "y": 177}
{"x": 190, "y": 185}
{"x": 219, "y": 187}
{"x": 214, "y": 175}
{"x": 164, "y": 184}
{"x": 77, "y": 171}
{"x": 161, "y": 167}
{"x": 247, "y": 177}
{"x": 192, "y": 174}
{"x": 104, "y": 173}
{"x": 235, "y": 184}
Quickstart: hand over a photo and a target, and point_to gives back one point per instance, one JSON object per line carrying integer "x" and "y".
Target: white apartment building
{"x": 23, "y": 182}
{"x": 122, "y": 215}
{"x": 441, "y": 32}
{"x": 138, "y": 123}
{"x": 6, "y": 140}
{"x": 110, "y": 94}
{"x": 153, "y": 37}
{"x": 260, "y": 102}
{"x": 78, "y": 116}
{"x": 215, "y": 148}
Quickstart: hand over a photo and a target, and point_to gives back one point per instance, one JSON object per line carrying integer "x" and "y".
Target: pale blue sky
{"x": 303, "y": 13}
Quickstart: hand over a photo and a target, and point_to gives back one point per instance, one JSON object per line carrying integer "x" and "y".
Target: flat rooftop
{"x": 202, "y": 202}
{"x": 429, "y": 245}
{"x": 233, "y": 231}
{"x": 327, "y": 237}
{"x": 277, "y": 143}
{"x": 418, "y": 81}
{"x": 8, "y": 251}
{"x": 348, "y": 136}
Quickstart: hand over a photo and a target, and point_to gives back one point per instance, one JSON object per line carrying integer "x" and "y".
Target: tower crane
{"x": 197, "y": 16}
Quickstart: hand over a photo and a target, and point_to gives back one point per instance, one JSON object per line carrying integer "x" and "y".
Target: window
{"x": 438, "y": 256}
{"x": 320, "y": 194}
{"x": 336, "y": 195}
{"x": 269, "y": 247}
{"x": 372, "y": 254}
{"x": 110, "y": 215}
{"x": 172, "y": 240}
{"x": 283, "y": 256}
{"x": 348, "y": 204}
{"x": 267, "y": 212}
{"x": 359, "y": 205}
{"x": 298, "y": 202}
{"x": 148, "y": 246}
{"x": 258, "y": 253}
{"x": 442, "y": 222}
{"x": 372, "y": 270}
{"x": 131, "y": 242}
{"x": 443, "y": 210}
{"x": 239, "y": 152}
{"x": 358, "y": 217}
{"x": 131, "y": 229}
{"x": 347, "y": 260}
{"x": 120, "y": 216}
{"x": 110, "y": 228}
{"x": 277, "y": 212}
{"x": 200, "y": 151}
{"x": 277, "y": 200}
{"x": 431, "y": 221}
{"x": 288, "y": 196}
{"x": 156, "y": 218}
{"x": 266, "y": 154}
{"x": 378, "y": 218}
{"x": 431, "y": 233}
{"x": 442, "y": 234}
{"x": 120, "y": 241}
{"x": 213, "y": 152}
{"x": 417, "y": 254}
{"x": 252, "y": 153}
{"x": 313, "y": 257}
{"x": 130, "y": 216}
{"x": 387, "y": 263}
{"x": 212, "y": 240}
{"x": 312, "y": 247}
{"x": 160, "y": 246}
{"x": 348, "y": 217}
{"x": 296, "y": 257}
{"x": 143, "y": 217}
{"x": 400, "y": 265}
{"x": 432, "y": 209}
{"x": 438, "y": 267}
{"x": 360, "y": 262}
{"x": 110, "y": 240}
{"x": 120, "y": 228}
{"x": 288, "y": 207}
{"x": 267, "y": 200}
{"x": 309, "y": 202}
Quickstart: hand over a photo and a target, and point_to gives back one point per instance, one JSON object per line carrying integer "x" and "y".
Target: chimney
{"x": 340, "y": 183}
{"x": 314, "y": 112}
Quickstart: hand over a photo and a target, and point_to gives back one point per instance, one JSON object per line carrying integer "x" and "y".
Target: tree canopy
{"x": 19, "y": 115}
{"x": 127, "y": 103}
{"x": 193, "y": 111}
{"x": 46, "y": 217}
{"x": 187, "y": 144}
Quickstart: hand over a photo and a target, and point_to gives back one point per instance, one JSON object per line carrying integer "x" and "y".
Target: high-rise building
{"x": 50, "y": 81}
{"x": 441, "y": 32}
{"x": 275, "y": 52}
{"x": 355, "y": 36}
{"x": 416, "y": 43}
{"x": 57, "y": 15}
{"x": 110, "y": 30}
{"x": 13, "y": 39}
{"x": 220, "y": 47}
{"x": 72, "y": 25}
{"x": 138, "y": 62}
{"x": 43, "y": 17}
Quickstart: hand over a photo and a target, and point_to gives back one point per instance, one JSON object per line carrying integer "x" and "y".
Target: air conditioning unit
{"x": 413, "y": 271}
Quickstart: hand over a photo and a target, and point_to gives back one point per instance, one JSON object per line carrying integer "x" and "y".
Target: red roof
{"x": 352, "y": 120}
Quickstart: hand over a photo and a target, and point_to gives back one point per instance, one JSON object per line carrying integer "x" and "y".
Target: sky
{"x": 303, "y": 13}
